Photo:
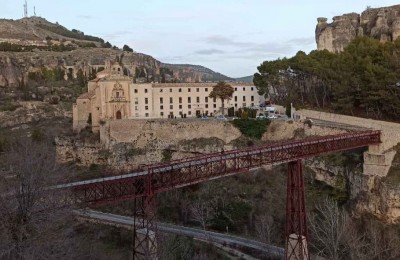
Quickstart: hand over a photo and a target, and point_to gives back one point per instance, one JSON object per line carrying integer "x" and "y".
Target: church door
{"x": 118, "y": 115}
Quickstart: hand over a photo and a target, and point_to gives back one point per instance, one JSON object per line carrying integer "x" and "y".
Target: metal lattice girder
{"x": 296, "y": 222}
{"x": 184, "y": 172}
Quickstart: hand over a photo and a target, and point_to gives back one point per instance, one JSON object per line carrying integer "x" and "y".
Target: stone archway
{"x": 118, "y": 115}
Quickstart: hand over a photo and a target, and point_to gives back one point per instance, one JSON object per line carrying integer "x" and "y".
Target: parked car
{"x": 204, "y": 117}
{"x": 221, "y": 117}
{"x": 261, "y": 117}
{"x": 272, "y": 116}
{"x": 270, "y": 109}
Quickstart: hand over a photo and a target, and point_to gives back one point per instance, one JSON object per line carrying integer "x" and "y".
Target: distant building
{"x": 114, "y": 96}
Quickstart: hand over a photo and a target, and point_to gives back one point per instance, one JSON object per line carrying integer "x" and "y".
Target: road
{"x": 214, "y": 237}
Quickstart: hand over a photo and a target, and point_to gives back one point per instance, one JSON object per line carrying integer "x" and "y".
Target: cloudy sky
{"x": 228, "y": 36}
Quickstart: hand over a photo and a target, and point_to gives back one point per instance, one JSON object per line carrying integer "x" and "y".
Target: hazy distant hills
{"x": 195, "y": 73}
{"x": 248, "y": 79}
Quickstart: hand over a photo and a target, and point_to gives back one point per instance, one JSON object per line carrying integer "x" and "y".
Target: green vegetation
{"x": 362, "y": 80}
{"x": 127, "y": 48}
{"x": 5, "y": 46}
{"x": 134, "y": 152}
{"x": 9, "y": 106}
{"x": 60, "y": 30}
{"x": 251, "y": 128}
{"x": 167, "y": 155}
{"x": 202, "y": 142}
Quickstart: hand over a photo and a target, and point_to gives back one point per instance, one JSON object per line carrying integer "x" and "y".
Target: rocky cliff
{"x": 380, "y": 23}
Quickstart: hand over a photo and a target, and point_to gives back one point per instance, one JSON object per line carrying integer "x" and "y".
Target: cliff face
{"x": 15, "y": 66}
{"x": 380, "y": 23}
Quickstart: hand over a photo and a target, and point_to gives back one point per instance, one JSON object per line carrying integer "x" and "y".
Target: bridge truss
{"x": 143, "y": 185}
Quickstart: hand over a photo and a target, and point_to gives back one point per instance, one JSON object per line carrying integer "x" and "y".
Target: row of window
{"x": 189, "y": 90}
{"x": 189, "y": 106}
{"x": 171, "y": 100}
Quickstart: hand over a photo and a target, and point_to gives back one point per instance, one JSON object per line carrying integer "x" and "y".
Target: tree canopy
{"x": 362, "y": 80}
{"x": 127, "y": 48}
{"x": 223, "y": 91}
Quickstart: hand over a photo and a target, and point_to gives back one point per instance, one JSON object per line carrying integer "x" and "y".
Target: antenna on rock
{"x": 34, "y": 11}
{"x": 26, "y": 9}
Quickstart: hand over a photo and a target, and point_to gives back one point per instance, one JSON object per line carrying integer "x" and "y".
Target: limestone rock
{"x": 380, "y": 23}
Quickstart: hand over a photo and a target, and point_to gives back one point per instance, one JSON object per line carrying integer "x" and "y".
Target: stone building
{"x": 114, "y": 96}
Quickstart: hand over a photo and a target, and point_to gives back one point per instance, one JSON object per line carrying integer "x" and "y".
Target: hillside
{"x": 193, "y": 73}
{"x": 37, "y": 31}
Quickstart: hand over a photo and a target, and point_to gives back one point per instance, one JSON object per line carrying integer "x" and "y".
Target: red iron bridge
{"x": 142, "y": 185}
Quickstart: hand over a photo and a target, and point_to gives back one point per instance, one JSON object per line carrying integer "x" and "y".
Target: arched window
{"x": 118, "y": 115}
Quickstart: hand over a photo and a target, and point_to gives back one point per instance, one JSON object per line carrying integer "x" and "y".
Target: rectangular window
{"x": 215, "y": 106}
{"x": 198, "y": 99}
{"x": 146, "y": 101}
{"x": 161, "y": 107}
{"x": 206, "y": 105}
{"x": 189, "y": 100}
{"x": 161, "y": 114}
{"x": 189, "y": 113}
{"x": 252, "y": 98}
{"x": 160, "y": 90}
{"x": 206, "y": 89}
{"x": 136, "y": 108}
{"x": 145, "y": 90}
{"x": 136, "y": 101}
{"x": 244, "y": 88}
{"x": 235, "y": 98}
{"x": 147, "y": 115}
{"x": 135, "y": 90}
{"x": 244, "y": 98}
{"x": 206, "y": 99}
{"x": 252, "y": 88}
{"x": 146, "y": 108}
{"x": 180, "y": 100}
{"x": 214, "y": 100}
{"x": 170, "y": 90}
{"x": 244, "y": 105}
{"x": 252, "y": 104}
{"x": 161, "y": 100}
{"x": 171, "y": 107}
{"x": 188, "y": 89}
{"x": 197, "y": 89}
{"x": 171, "y": 100}
{"x": 189, "y": 106}
{"x": 180, "y": 106}
{"x": 235, "y": 89}
{"x": 235, "y": 105}
{"x": 180, "y": 90}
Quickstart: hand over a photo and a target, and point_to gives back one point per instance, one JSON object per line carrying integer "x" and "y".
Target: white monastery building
{"x": 113, "y": 96}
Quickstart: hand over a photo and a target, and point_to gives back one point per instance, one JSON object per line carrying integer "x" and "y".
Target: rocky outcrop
{"x": 380, "y": 23}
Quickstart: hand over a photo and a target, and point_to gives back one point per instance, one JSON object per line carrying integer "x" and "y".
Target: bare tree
{"x": 202, "y": 211}
{"x": 265, "y": 228}
{"x": 332, "y": 230}
{"x": 26, "y": 231}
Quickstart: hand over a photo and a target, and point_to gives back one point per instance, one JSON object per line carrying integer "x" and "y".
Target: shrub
{"x": 251, "y": 128}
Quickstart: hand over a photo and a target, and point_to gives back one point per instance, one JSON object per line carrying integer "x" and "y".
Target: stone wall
{"x": 165, "y": 132}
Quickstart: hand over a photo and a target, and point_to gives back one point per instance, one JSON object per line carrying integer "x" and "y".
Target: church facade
{"x": 113, "y": 96}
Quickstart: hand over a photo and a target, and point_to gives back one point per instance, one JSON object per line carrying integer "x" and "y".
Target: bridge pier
{"x": 145, "y": 232}
{"x": 296, "y": 222}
